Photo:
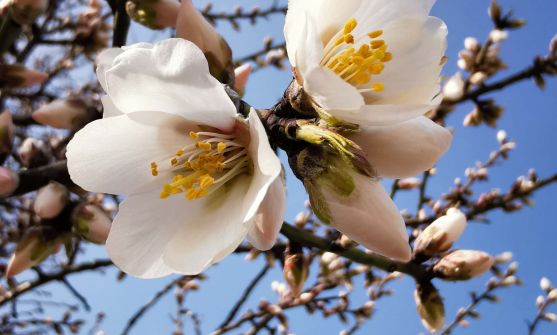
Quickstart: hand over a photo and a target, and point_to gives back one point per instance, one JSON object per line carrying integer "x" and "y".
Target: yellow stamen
{"x": 354, "y": 61}
{"x": 377, "y": 87}
{"x": 349, "y": 26}
{"x": 375, "y": 34}
{"x": 221, "y": 147}
{"x": 194, "y": 135}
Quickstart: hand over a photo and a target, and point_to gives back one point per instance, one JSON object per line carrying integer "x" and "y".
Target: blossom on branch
{"x": 198, "y": 177}
{"x": 371, "y": 69}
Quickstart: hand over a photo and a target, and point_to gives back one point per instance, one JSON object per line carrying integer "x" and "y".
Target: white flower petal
{"x": 109, "y": 108}
{"x": 211, "y": 233}
{"x": 265, "y": 228}
{"x": 379, "y": 115}
{"x": 141, "y": 230}
{"x": 330, "y": 92}
{"x": 378, "y": 13}
{"x": 412, "y": 77}
{"x": 329, "y": 15}
{"x": 404, "y": 149}
{"x": 113, "y": 155}
{"x": 171, "y": 76}
{"x": 369, "y": 217}
{"x": 267, "y": 167}
{"x": 303, "y": 45}
{"x": 104, "y": 62}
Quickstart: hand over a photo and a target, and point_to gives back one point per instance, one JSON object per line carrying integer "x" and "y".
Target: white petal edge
{"x": 369, "y": 217}
{"x": 264, "y": 229}
{"x": 171, "y": 76}
{"x": 404, "y": 149}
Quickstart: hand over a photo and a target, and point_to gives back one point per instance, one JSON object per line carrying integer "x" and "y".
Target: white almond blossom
{"x": 197, "y": 176}
{"x": 375, "y": 64}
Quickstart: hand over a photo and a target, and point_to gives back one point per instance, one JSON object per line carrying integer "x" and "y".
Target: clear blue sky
{"x": 530, "y": 119}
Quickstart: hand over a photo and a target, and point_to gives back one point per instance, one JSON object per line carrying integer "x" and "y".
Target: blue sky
{"x": 530, "y": 119}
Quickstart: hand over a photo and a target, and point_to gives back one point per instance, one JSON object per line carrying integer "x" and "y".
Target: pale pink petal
{"x": 404, "y": 149}
{"x": 369, "y": 217}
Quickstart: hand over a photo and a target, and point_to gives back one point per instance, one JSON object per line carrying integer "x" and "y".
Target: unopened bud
{"x": 552, "y": 295}
{"x": 295, "y": 272}
{"x": 430, "y": 307}
{"x": 504, "y": 257}
{"x": 18, "y": 76}
{"x": 409, "y": 183}
{"x": 26, "y": 11}
{"x": 51, "y": 200}
{"x": 463, "y": 264}
{"x": 274, "y": 309}
{"x": 33, "y": 248}
{"x": 6, "y": 134}
{"x": 552, "y": 317}
{"x": 540, "y": 301}
{"x": 478, "y": 78}
{"x": 8, "y": 182}
{"x": 154, "y": 14}
{"x": 441, "y": 234}
{"x": 498, "y": 36}
{"x": 454, "y": 88}
{"x": 553, "y": 45}
{"x": 502, "y": 137}
{"x": 471, "y": 43}
{"x": 31, "y": 152}
{"x": 545, "y": 284}
{"x": 92, "y": 223}
{"x": 306, "y": 297}
{"x": 242, "y": 74}
{"x": 65, "y": 114}
{"x": 192, "y": 26}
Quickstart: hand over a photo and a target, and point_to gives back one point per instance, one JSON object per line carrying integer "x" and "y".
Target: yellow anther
{"x": 180, "y": 152}
{"x": 375, "y": 34}
{"x": 376, "y": 44}
{"x": 154, "y": 172}
{"x": 174, "y": 161}
{"x": 349, "y": 26}
{"x": 387, "y": 58}
{"x": 221, "y": 147}
{"x": 204, "y": 146}
{"x": 355, "y": 62}
{"x": 194, "y": 135}
{"x": 377, "y": 87}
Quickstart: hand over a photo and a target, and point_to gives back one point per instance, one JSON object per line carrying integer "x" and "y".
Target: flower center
{"x": 357, "y": 60}
{"x": 202, "y": 168}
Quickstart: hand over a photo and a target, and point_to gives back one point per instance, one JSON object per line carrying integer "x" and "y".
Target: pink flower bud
{"x": 409, "y": 183}
{"x": 157, "y": 14}
{"x": 18, "y": 76}
{"x": 65, "y": 114}
{"x": 30, "y": 151}
{"x": 92, "y": 223}
{"x": 441, "y": 234}
{"x": 8, "y": 182}
{"x": 295, "y": 272}
{"x": 242, "y": 74}
{"x": 51, "y": 200}
{"x": 192, "y": 26}
{"x": 31, "y": 251}
{"x": 464, "y": 264}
